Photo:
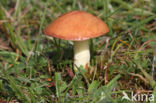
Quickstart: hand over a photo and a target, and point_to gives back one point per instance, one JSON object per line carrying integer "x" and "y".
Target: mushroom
{"x": 78, "y": 26}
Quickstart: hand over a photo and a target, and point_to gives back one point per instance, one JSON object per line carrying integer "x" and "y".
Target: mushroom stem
{"x": 81, "y": 54}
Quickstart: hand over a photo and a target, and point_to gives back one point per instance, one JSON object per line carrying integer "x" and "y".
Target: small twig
{"x": 152, "y": 29}
{"x": 18, "y": 52}
{"x": 140, "y": 76}
{"x": 8, "y": 15}
{"x": 3, "y": 21}
{"x": 80, "y": 5}
{"x": 124, "y": 42}
{"x": 49, "y": 68}
{"x": 106, "y": 69}
{"x": 153, "y": 40}
{"x": 143, "y": 91}
{"x": 106, "y": 45}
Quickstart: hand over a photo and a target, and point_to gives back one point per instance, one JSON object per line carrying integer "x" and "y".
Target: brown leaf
{"x": 2, "y": 101}
{"x": 4, "y": 45}
{"x": 70, "y": 72}
{"x": 48, "y": 79}
{"x": 51, "y": 84}
{"x": 14, "y": 101}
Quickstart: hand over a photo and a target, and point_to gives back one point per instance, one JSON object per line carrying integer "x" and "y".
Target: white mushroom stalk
{"x": 81, "y": 54}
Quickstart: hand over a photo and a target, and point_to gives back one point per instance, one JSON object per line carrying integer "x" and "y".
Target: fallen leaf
{"x": 70, "y": 72}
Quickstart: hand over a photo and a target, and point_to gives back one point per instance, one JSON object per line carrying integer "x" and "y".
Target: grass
{"x": 35, "y": 68}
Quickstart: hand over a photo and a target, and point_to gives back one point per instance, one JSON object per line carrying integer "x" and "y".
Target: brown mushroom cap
{"x": 76, "y": 26}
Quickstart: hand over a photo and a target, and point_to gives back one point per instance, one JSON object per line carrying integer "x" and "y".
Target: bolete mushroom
{"x": 78, "y": 26}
